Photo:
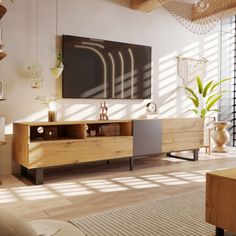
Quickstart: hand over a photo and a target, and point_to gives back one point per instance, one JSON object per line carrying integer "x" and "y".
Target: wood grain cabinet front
{"x": 37, "y": 145}
{"x": 180, "y": 134}
{"x": 54, "y": 153}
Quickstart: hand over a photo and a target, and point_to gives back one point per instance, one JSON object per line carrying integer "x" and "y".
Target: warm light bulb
{"x": 52, "y": 105}
{"x": 202, "y": 5}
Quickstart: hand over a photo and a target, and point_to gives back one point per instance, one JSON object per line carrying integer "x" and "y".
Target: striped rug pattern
{"x": 181, "y": 215}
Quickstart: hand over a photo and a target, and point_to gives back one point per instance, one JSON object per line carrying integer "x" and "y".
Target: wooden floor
{"x": 86, "y": 189}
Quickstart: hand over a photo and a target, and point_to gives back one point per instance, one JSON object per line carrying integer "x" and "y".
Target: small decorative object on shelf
{"x": 150, "y": 112}
{"x": 50, "y": 133}
{"x": 151, "y": 108}
{"x": 221, "y": 136}
{"x": 93, "y": 133}
{"x": 51, "y": 104}
{"x": 103, "y": 111}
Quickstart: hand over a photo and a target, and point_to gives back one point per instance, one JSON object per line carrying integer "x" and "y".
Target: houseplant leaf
{"x": 199, "y": 84}
{"x": 191, "y": 92}
{"x": 213, "y": 102}
{"x": 218, "y": 83}
{"x": 204, "y": 93}
{"x": 195, "y": 101}
{"x": 194, "y": 110}
{"x": 213, "y": 95}
{"x": 216, "y": 110}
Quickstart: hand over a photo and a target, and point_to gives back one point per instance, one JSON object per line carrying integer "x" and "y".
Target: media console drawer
{"x": 54, "y": 153}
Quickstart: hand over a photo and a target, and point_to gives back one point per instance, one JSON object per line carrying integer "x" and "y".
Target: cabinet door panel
{"x": 147, "y": 137}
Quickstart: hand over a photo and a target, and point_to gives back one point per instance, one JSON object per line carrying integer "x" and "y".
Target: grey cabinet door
{"x": 147, "y": 137}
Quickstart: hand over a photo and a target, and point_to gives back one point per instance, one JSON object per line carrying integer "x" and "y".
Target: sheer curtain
{"x": 227, "y": 60}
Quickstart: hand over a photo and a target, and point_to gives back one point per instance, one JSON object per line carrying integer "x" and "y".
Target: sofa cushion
{"x": 11, "y": 225}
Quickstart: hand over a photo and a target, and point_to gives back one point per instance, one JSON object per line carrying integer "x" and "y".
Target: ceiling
{"x": 229, "y": 6}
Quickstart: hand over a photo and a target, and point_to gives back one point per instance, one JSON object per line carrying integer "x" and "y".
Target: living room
{"x": 35, "y": 35}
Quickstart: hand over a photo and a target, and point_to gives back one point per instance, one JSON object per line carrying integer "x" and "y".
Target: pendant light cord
{"x": 36, "y": 36}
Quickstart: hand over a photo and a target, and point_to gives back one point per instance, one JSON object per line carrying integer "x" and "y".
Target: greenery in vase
{"x": 205, "y": 96}
{"x": 59, "y": 61}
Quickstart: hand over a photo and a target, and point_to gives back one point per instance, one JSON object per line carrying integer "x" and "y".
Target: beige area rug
{"x": 181, "y": 215}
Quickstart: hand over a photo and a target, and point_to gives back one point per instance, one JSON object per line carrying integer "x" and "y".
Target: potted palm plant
{"x": 205, "y": 97}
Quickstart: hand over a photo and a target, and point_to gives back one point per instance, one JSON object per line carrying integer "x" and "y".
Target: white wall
{"x": 27, "y": 34}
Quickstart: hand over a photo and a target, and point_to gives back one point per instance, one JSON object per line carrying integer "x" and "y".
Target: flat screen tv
{"x": 95, "y": 68}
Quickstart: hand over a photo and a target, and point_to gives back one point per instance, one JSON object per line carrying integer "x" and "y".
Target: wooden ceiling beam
{"x": 215, "y": 7}
{"x": 146, "y": 5}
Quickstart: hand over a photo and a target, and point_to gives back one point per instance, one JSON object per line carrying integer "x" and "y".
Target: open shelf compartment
{"x": 57, "y": 132}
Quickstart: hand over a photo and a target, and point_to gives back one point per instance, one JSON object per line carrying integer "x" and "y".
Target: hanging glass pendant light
{"x": 201, "y": 5}
{"x": 199, "y": 16}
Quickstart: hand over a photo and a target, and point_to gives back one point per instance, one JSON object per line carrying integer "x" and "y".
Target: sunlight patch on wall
{"x": 211, "y": 52}
{"x": 117, "y": 111}
{"x": 167, "y": 85}
{"x": 78, "y": 112}
{"x": 138, "y": 110}
{"x": 191, "y": 50}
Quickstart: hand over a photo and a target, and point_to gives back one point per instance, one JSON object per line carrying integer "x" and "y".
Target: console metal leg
{"x": 219, "y": 231}
{"x": 38, "y": 176}
{"x": 195, "y": 156}
{"x": 131, "y": 163}
{"x": 23, "y": 171}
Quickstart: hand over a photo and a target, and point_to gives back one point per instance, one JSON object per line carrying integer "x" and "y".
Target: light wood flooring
{"x": 85, "y": 189}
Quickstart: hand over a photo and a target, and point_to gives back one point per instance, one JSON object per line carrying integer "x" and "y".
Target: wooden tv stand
{"x": 37, "y": 145}
{"x": 43, "y": 144}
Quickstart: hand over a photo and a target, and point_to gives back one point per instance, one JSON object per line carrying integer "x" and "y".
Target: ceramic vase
{"x": 221, "y": 136}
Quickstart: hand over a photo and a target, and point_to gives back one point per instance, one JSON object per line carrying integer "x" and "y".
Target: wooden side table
{"x": 220, "y": 200}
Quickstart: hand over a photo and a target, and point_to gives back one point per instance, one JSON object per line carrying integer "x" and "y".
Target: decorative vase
{"x": 221, "y": 136}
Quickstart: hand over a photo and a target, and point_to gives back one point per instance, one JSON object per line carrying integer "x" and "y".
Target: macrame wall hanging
{"x": 188, "y": 68}
{"x": 198, "y": 16}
